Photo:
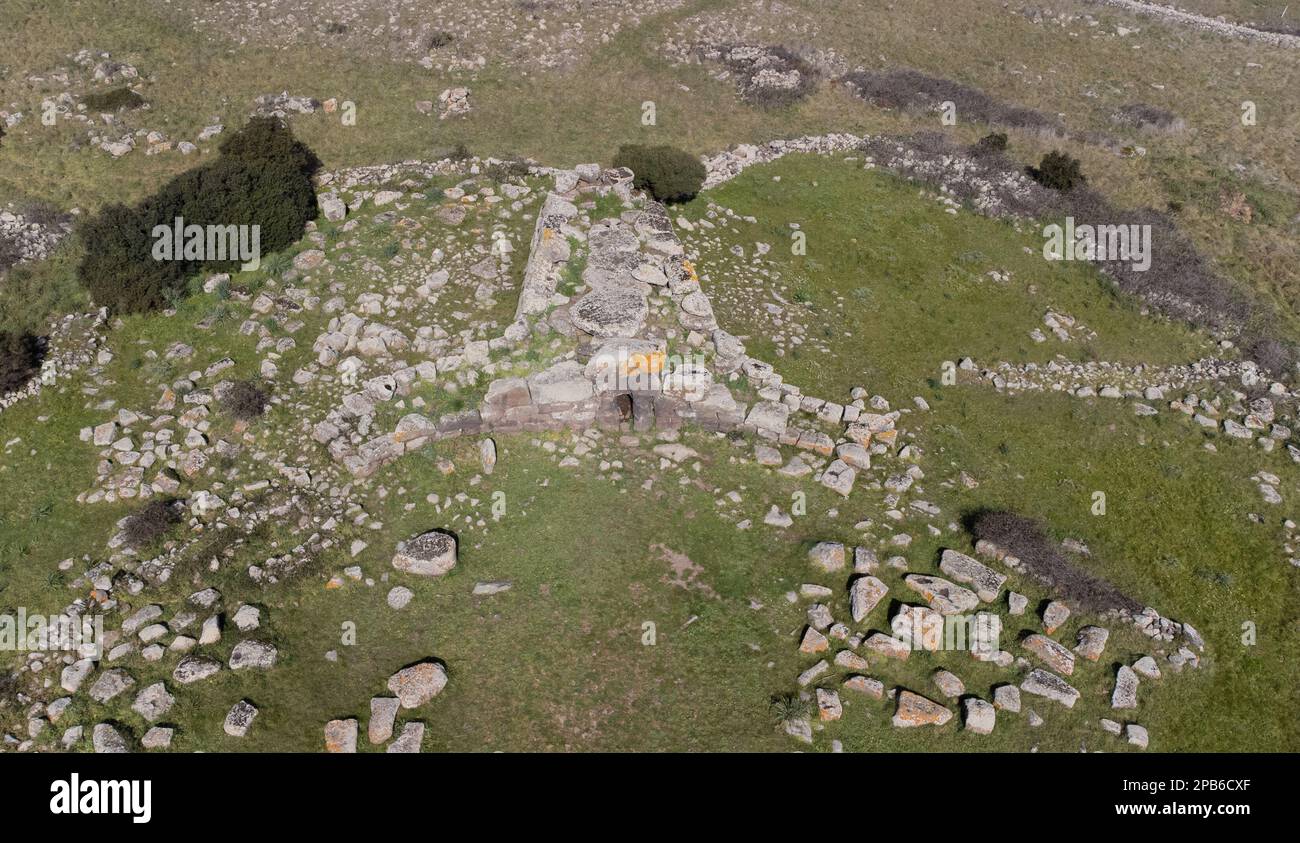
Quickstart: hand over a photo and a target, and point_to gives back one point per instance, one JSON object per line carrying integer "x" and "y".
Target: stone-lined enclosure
{"x": 644, "y": 350}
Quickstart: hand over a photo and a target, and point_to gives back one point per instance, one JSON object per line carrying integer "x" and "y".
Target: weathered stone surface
{"x": 259, "y": 655}
{"x": 563, "y": 383}
{"x": 813, "y": 641}
{"x": 399, "y": 596}
{"x": 768, "y": 416}
{"x": 1055, "y": 614}
{"x": 827, "y": 556}
{"x": 153, "y": 702}
{"x": 193, "y": 668}
{"x": 810, "y": 675}
{"x": 828, "y": 705}
{"x": 1053, "y": 653}
{"x": 341, "y": 735}
{"x": 158, "y": 737}
{"x": 918, "y": 627}
{"x": 410, "y": 739}
{"x": 980, "y": 715}
{"x": 915, "y": 710}
{"x": 1007, "y": 698}
{"x": 383, "y": 713}
{"x": 610, "y": 313}
{"x": 873, "y": 688}
{"x": 850, "y": 660}
{"x": 948, "y": 683}
{"x": 1044, "y": 683}
{"x": 1126, "y": 686}
{"x": 240, "y": 719}
{"x": 429, "y": 554}
{"x": 1136, "y": 735}
{"x": 106, "y": 739}
{"x": 839, "y": 477}
{"x": 945, "y": 597}
{"x": 417, "y": 684}
{"x": 74, "y": 674}
{"x": 1146, "y": 666}
{"x": 865, "y": 593}
{"x": 888, "y": 646}
{"x": 985, "y": 581}
{"x": 1092, "y": 642}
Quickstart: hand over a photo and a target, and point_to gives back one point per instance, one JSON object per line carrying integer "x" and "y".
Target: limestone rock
{"x": 1054, "y": 615}
{"x": 410, "y": 739}
{"x": 948, "y": 683}
{"x": 430, "y": 554}
{"x": 985, "y": 581}
{"x": 1054, "y": 654}
{"x": 1126, "y": 685}
{"x": 341, "y": 735}
{"x": 1091, "y": 642}
{"x": 945, "y": 597}
{"x": 1044, "y": 683}
{"x": 419, "y": 683}
{"x": 827, "y": 556}
{"x": 383, "y": 712}
{"x": 981, "y": 716}
{"x": 240, "y": 719}
{"x": 915, "y": 710}
{"x": 865, "y": 593}
{"x": 153, "y": 702}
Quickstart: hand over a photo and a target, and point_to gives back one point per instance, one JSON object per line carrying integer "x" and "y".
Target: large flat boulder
{"x": 610, "y": 312}
{"x": 430, "y": 554}
{"x": 984, "y": 581}
{"x": 915, "y": 710}
{"x": 946, "y": 598}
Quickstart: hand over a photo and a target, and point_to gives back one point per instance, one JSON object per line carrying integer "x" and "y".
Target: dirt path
{"x": 1206, "y": 23}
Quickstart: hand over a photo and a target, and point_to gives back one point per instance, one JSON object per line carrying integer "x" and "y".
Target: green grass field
{"x": 890, "y": 286}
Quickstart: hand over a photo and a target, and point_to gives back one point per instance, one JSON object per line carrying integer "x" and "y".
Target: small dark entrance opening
{"x": 623, "y": 402}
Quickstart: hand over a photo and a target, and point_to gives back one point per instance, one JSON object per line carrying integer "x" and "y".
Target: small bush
{"x": 1149, "y": 117}
{"x": 118, "y": 99}
{"x": 1273, "y": 356}
{"x": 1059, "y": 171}
{"x": 788, "y": 708}
{"x": 508, "y": 170}
{"x": 990, "y": 144}
{"x": 10, "y": 253}
{"x": 912, "y": 90}
{"x": 668, "y": 173}
{"x": 262, "y": 177}
{"x": 20, "y": 360}
{"x": 1026, "y": 539}
{"x": 151, "y": 522}
{"x": 245, "y": 400}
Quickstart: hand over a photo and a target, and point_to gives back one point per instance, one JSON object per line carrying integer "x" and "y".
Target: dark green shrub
{"x": 990, "y": 144}
{"x": 20, "y": 360}
{"x": 10, "y": 254}
{"x": 1059, "y": 171}
{"x": 151, "y": 522}
{"x": 262, "y": 177}
{"x": 508, "y": 170}
{"x": 668, "y": 173}
{"x": 117, "y": 99}
{"x": 245, "y": 400}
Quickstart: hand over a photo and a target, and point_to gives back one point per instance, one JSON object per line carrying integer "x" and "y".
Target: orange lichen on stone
{"x": 644, "y": 363}
{"x": 690, "y": 270}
